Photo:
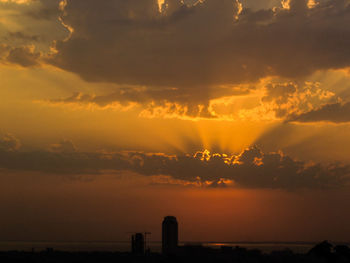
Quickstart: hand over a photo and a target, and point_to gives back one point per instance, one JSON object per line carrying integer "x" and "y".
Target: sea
{"x": 104, "y": 246}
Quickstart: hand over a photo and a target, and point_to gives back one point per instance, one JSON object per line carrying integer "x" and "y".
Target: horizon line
{"x": 183, "y": 242}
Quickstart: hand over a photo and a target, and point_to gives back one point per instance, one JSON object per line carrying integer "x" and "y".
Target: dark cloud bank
{"x": 189, "y": 54}
{"x": 193, "y": 48}
{"x": 334, "y": 112}
{"x": 250, "y": 169}
{"x": 130, "y": 42}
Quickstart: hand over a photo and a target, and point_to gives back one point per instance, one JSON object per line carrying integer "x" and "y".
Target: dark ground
{"x": 321, "y": 253}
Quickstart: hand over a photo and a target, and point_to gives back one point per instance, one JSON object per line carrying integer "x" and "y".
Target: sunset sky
{"x": 232, "y": 115}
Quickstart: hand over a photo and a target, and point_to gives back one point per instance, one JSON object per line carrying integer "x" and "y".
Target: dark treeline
{"x": 321, "y": 253}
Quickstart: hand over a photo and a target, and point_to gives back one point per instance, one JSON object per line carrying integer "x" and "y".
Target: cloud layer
{"x": 334, "y": 112}
{"x": 250, "y": 169}
{"x": 179, "y": 57}
{"x": 195, "y": 48}
{"x": 31, "y": 23}
{"x": 8, "y": 142}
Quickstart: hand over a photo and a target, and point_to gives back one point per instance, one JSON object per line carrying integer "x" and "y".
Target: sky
{"x": 232, "y": 115}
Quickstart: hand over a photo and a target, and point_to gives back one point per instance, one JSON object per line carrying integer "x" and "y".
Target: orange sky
{"x": 106, "y": 110}
{"x": 109, "y": 207}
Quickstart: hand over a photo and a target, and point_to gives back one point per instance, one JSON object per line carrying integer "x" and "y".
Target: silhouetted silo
{"x": 169, "y": 235}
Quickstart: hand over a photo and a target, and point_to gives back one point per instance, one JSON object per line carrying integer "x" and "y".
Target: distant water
{"x": 154, "y": 246}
